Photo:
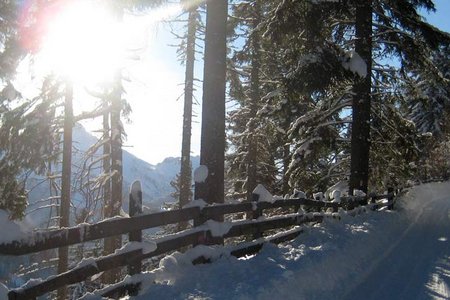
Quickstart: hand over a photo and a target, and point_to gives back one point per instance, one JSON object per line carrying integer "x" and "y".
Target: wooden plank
{"x": 257, "y": 213}
{"x": 135, "y": 209}
{"x": 69, "y": 236}
{"x": 123, "y": 290}
{"x": 244, "y": 228}
{"x": 223, "y": 209}
{"x": 73, "y": 276}
{"x": 106, "y": 263}
{"x": 253, "y": 248}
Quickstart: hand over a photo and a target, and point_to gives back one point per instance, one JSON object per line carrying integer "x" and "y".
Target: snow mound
{"x": 263, "y": 193}
{"x": 200, "y": 203}
{"x": 201, "y": 173}
{"x": 355, "y": 63}
{"x": 3, "y": 291}
{"x": 218, "y": 229}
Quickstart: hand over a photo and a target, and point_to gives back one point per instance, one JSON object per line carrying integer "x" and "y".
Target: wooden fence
{"x": 200, "y": 234}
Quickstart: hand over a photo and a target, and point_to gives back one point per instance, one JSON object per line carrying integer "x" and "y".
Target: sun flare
{"x": 83, "y": 43}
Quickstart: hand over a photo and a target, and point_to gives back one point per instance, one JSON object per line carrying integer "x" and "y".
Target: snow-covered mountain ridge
{"x": 155, "y": 179}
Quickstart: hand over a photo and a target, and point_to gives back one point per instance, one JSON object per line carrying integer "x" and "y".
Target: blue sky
{"x": 441, "y": 18}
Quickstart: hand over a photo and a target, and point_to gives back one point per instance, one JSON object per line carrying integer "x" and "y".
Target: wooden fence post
{"x": 257, "y": 212}
{"x": 135, "y": 208}
{"x": 200, "y": 220}
{"x": 390, "y": 191}
{"x": 372, "y": 197}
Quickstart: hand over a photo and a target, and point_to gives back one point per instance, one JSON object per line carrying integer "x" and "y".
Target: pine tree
{"x": 323, "y": 66}
{"x": 251, "y": 158}
{"x": 28, "y": 133}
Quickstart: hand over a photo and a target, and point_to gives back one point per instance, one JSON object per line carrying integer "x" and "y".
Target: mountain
{"x": 155, "y": 180}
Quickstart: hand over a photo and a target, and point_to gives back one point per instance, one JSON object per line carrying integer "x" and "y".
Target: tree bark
{"x": 255, "y": 99}
{"x": 106, "y": 162}
{"x": 64, "y": 213}
{"x": 116, "y": 181}
{"x": 186, "y": 168}
{"x": 212, "y": 152}
{"x": 113, "y": 243}
{"x": 360, "y": 144}
{"x": 109, "y": 243}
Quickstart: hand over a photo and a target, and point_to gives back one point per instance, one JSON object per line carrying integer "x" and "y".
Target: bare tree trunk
{"x": 64, "y": 213}
{"x": 109, "y": 243}
{"x": 106, "y": 161}
{"x": 115, "y": 205}
{"x": 286, "y": 162}
{"x": 186, "y": 169}
{"x": 360, "y": 144}
{"x": 212, "y": 153}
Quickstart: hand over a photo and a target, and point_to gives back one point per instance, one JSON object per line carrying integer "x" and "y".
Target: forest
{"x": 296, "y": 95}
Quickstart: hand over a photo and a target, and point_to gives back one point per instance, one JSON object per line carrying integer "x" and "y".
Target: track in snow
{"x": 417, "y": 266}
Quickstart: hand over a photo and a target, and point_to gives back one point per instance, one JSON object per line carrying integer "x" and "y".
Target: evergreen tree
{"x": 28, "y": 133}
{"x": 323, "y": 65}
{"x": 252, "y": 153}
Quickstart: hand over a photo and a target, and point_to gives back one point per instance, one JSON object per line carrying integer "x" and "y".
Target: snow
{"x": 263, "y": 193}
{"x": 200, "y": 203}
{"x": 146, "y": 246}
{"x": 11, "y": 230}
{"x": 218, "y": 229}
{"x": 340, "y": 186}
{"x": 336, "y": 196}
{"x": 298, "y": 194}
{"x": 86, "y": 262}
{"x": 3, "y": 291}
{"x": 358, "y": 193}
{"x": 402, "y": 254}
{"x": 355, "y": 63}
{"x": 318, "y": 196}
{"x": 135, "y": 189}
{"x": 201, "y": 173}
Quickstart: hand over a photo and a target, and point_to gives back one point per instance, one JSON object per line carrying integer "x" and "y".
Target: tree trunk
{"x": 106, "y": 161}
{"x": 255, "y": 99}
{"x": 286, "y": 162}
{"x": 212, "y": 153}
{"x": 116, "y": 181}
{"x": 109, "y": 243}
{"x": 113, "y": 243}
{"x": 360, "y": 144}
{"x": 64, "y": 213}
{"x": 186, "y": 169}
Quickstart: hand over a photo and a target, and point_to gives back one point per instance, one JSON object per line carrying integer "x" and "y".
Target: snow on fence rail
{"x": 133, "y": 253}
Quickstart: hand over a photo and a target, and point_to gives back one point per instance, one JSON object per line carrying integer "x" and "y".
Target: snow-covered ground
{"x": 404, "y": 254}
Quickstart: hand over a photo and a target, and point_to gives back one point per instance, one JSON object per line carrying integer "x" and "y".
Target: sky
{"x": 154, "y": 83}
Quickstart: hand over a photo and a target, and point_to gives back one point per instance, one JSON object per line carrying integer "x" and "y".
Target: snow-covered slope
{"x": 403, "y": 254}
{"x": 155, "y": 179}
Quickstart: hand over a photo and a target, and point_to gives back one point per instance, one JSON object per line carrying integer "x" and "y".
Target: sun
{"x": 83, "y": 43}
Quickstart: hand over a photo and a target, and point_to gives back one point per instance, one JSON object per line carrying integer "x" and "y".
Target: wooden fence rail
{"x": 137, "y": 222}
